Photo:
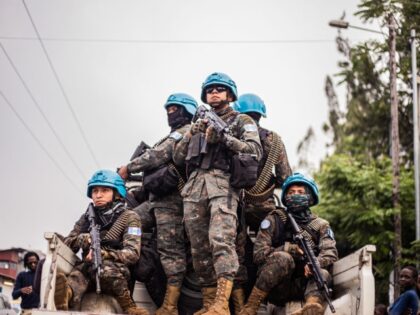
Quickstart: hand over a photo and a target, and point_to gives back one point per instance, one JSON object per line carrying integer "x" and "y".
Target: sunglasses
{"x": 219, "y": 89}
{"x": 32, "y": 262}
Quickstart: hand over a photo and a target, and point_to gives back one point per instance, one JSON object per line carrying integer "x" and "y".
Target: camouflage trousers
{"x": 211, "y": 225}
{"x": 170, "y": 237}
{"x": 113, "y": 280}
{"x": 241, "y": 276}
{"x": 284, "y": 279}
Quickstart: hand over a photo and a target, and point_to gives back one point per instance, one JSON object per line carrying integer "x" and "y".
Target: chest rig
{"x": 283, "y": 231}
{"x": 217, "y": 155}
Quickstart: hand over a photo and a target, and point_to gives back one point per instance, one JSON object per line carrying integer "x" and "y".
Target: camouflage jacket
{"x": 161, "y": 153}
{"x": 242, "y": 138}
{"x": 128, "y": 238}
{"x": 323, "y": 244}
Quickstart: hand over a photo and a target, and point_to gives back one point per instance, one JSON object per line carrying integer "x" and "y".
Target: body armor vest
{"x": 283, "y": 231}
{"x": 217, "y": 155}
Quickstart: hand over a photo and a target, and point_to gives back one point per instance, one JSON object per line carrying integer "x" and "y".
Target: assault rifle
{"x": 212, "y": 120}
{"x": 95, "y": 246}
{"x": 312, "y": 261}
{"x": 141, "y": 148}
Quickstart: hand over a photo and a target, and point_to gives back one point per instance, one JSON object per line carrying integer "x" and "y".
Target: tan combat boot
{"x": 63, "y": 292}
{"x": 238, "y": 299}
{"x": 170, "y": 303}
{"x": 254, "y": 301}
{"x": 313, "y": 306}
{"x": 128, "y": 306}
{"x": 209, "y": 294}
{"x": 220, "y": 305}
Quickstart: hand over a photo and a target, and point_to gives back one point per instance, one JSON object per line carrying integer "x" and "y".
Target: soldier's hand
{"x": 105, "y": 254}
{"x": 307, "y": 272}
{"x": 199, "y": 126}
{"x": 84, "y": 241}
{"x": 212, "y": 136}
{"x": 89, "y": 256}
{"x": 293, "y": 249}
{"x": 123, "y": 172}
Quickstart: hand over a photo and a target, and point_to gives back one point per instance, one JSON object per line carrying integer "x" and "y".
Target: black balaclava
{"x": 179, "y": 118}
{"x": 298, "y": 205}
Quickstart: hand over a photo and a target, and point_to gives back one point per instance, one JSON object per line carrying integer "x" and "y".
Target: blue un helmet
{"x": 247, "y": 103}
{"x": 184, "y": 100}
{"x": 299, "y": 179}
{"x": 106, "y": 178}
{"x": 219, "y": 78}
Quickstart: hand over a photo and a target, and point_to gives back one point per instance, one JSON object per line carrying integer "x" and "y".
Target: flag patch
{"x": 133, "y": 230}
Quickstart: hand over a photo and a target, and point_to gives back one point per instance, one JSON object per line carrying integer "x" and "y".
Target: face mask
{"x": 297, "y": 203}
{"x": 178, "y": 118}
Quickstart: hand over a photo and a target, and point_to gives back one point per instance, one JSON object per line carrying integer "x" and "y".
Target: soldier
{"x": 283, "y": 275}
{"x": 120, "y": 236}
{"x": 163, "y": 180}
{"x": 258, "y": 201}
{"x": 210, "y": 200}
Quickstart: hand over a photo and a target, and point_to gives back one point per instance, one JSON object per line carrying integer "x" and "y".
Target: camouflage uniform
{"x": 121, "y": 252}
{"x": 257, "y": 208}
{"x": 167, "y": 209}
{"x": 210, "y": 203}
{"x": 281, "y": 272}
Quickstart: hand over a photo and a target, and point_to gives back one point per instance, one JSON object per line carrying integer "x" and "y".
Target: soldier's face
{"x": 101, "y": 196}
{"x": 171, "y": 109}
{"x": 296, "y": 190}
{"x": 217, "y": 95}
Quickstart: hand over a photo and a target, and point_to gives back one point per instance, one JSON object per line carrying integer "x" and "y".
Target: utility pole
{"x": 395, "y": 150}
{"x": 416, "y": 139}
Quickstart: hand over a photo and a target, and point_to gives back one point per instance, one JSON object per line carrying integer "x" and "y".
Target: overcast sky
{"x": 107, "y": 69}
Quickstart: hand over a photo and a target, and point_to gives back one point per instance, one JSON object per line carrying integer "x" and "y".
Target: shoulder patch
{"x": 330, "y": 233}
{"x": 134, "y": 230}
{"x": 250, "y": 128}
{"x": 176, "y": 136}
{"x": 265, "y": 224}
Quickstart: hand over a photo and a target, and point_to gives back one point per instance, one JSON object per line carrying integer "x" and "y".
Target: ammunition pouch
{"x": 244, "y": 170}
{"x": 161, "y": 181}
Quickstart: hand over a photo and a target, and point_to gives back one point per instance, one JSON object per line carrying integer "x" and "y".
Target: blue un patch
{"x": 265, "y": 224}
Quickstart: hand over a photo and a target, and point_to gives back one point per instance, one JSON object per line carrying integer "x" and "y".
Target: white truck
{"x": 354, "y": 285}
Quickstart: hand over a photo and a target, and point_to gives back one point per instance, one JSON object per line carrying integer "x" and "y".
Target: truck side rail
{"x": 59, "y": 259}
{"x": 354, "y": 284}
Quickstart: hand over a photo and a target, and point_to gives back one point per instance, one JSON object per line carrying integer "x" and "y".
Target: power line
{"x": 157, "y": 41}
{"x": 28, "y": 129}
{"x": 61, "y": 85}
{"x": 42, "y": 112}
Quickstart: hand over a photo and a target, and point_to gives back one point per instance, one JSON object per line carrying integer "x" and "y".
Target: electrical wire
{"x": 157, "y": 41}
{"x": 60, "y": 141}
{"x": 38, "y": 141}
{"x": 61, "y": 86}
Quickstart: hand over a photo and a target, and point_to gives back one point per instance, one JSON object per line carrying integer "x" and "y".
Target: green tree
{"x": 356, "y": 181}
